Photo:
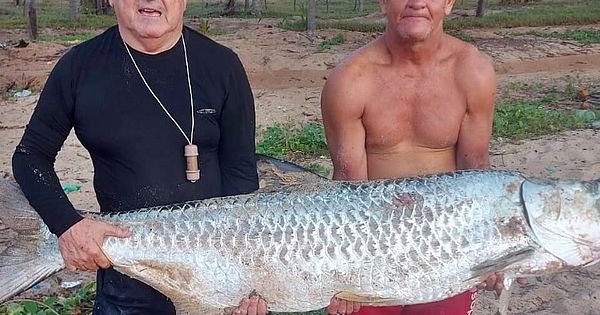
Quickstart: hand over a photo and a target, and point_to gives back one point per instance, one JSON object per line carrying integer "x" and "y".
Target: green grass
{"x": 460, "y": 35}
{"x": 328, "y": 43}
{"x": 585, "y": 36}
{"x": 81, "y": 302}
{"x": 534, "y": 15}
{"x": 284, "y": 142}
{"x": 52, "y": 16}
{"x": 319, "y": 169}
{"x": 69, "y": 39}
{"x": 525, "y": 119}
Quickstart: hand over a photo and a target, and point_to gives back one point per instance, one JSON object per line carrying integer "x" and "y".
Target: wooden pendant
{"x": 192, "y": 172}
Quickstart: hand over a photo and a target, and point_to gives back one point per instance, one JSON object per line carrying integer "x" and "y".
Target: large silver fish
{"x": 385, "y": 242}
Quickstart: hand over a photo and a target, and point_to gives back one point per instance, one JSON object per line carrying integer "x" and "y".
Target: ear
{"x": 448, "y": 7}
{"x": 382, "y": 6}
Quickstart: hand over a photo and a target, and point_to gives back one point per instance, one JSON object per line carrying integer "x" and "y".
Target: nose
{"x": 416, "y": 4}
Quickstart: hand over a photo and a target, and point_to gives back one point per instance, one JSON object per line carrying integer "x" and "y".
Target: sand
{"x": 287, "y": 73}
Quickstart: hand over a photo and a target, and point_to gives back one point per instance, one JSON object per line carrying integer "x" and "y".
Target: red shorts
{"x": 461, "y": 304}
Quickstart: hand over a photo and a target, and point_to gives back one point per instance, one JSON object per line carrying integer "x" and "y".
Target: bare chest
{"x": 409, "y": 113}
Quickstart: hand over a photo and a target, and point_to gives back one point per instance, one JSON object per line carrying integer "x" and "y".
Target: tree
{"x": 359, "y": 5}
{"x": 480, "y": 8}
{"x": 73, "y": 9}
{"x": 311, "y": 22}
{"x": 255, "y": 7}
{"x": 230, "y": 7}
{"x": 32, "y": 13}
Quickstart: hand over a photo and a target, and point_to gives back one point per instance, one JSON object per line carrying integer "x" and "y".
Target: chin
{"x": 152, "y": 31}
{"x": 414, "y": 35}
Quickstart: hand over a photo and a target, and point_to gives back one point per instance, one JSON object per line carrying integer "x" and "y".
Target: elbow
{"x": 473, "y": 162}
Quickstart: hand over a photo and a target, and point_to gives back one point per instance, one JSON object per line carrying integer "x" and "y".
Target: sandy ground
{"x": 287, "y": 72}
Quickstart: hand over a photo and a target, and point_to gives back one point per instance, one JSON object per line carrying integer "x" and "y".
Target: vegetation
{"x": 81, "y": 302}
{"x": 67, "y": 39}
{"x": 337, "y": 40}
{"x": 534, "y": 16}
{"x": 319, "y": 169}
{"x": 332, "y": 14}
{"x": 584, "y": 36}
{"x": 528, "y": 119}
{"x": 284, "y": 142}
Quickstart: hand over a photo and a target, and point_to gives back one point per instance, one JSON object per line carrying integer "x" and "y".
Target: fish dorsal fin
{"x": 368, "y": 299}
{"x": 277, "y": 175}
{"x": 496, "y": 264}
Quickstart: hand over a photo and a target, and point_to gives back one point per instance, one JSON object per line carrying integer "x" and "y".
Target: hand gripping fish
{"x": 384, "y": 242}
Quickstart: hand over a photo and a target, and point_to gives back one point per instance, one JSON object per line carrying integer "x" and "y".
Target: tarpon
{"x": 381, "y": 242}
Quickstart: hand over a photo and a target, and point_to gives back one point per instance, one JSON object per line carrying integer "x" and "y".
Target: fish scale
{"x": 386, "y": 242}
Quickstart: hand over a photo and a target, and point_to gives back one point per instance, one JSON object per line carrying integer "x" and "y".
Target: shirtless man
{"x": 414, "y": 101}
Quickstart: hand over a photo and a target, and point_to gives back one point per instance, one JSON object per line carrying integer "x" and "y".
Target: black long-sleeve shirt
{"x": 136, "y": 150}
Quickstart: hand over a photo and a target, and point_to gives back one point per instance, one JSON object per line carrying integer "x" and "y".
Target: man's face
{"x": 148, "y": 19}
{"x": 414, "y": 20}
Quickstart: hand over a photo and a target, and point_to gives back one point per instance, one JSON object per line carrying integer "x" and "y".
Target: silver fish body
{"x": 387, "y": 242}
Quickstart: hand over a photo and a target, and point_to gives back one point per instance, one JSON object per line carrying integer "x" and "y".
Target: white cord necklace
{"x": 191, "y": 150}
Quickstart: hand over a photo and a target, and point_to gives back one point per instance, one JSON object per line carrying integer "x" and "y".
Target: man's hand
{"x": 339, "y": 306}
{"x": 495, "y": 282}
{"x": 253, "y": 305}
{"x": 81, "y": 244}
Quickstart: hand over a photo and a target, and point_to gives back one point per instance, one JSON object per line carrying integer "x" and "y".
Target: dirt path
{"x": 287, "y": 73}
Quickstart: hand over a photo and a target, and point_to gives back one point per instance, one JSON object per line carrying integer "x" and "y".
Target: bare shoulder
{"x": 354, "y": 77}
{"x": 474, "y": 74}
{"x": 473, "y": 68}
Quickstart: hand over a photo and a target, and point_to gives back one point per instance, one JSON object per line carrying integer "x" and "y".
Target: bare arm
{"x": 479, "y": 82}
{"x": 342, "y": 109}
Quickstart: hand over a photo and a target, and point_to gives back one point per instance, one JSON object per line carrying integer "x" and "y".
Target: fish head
{"x": 565, "y": 218}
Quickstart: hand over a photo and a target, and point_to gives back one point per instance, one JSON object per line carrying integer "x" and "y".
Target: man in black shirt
{"x": 136, "y": 95}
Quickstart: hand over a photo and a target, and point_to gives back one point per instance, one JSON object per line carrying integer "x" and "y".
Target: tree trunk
{"x": 311, "y": 22}
{"x": 33, "y": 29}
{"x": 230, "y": 7}
{"x": 73, "y": 9}
{"x": 99, "y": 7}
{"x": 480, "y": 8}
{"x": 266, "y": 5}
{"x": 255, "y": 7}
{"x": 294, "y": 5}
{"x": 327, "y": 6}
{"x": 246, "y": 5}
{"x": 16, "y": 2}
{"x": 361, "y": 5}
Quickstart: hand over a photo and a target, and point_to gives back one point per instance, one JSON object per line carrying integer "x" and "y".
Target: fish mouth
{"x": 150, "y": 12}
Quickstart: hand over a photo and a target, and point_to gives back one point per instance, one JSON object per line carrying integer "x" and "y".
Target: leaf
{"x": 50, "y": 300}
{"x": 30, "y": 307}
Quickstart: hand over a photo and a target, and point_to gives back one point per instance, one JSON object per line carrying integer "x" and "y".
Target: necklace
{"x": 192, "y": 172}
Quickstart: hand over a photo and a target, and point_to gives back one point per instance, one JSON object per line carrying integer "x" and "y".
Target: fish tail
{"x": 22, "y": 236}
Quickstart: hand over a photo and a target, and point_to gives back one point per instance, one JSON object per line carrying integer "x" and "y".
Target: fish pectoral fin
{"x": 498, "y": 263}
{"x": 367, "y": 299}
{"x": 504, "y": 297}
